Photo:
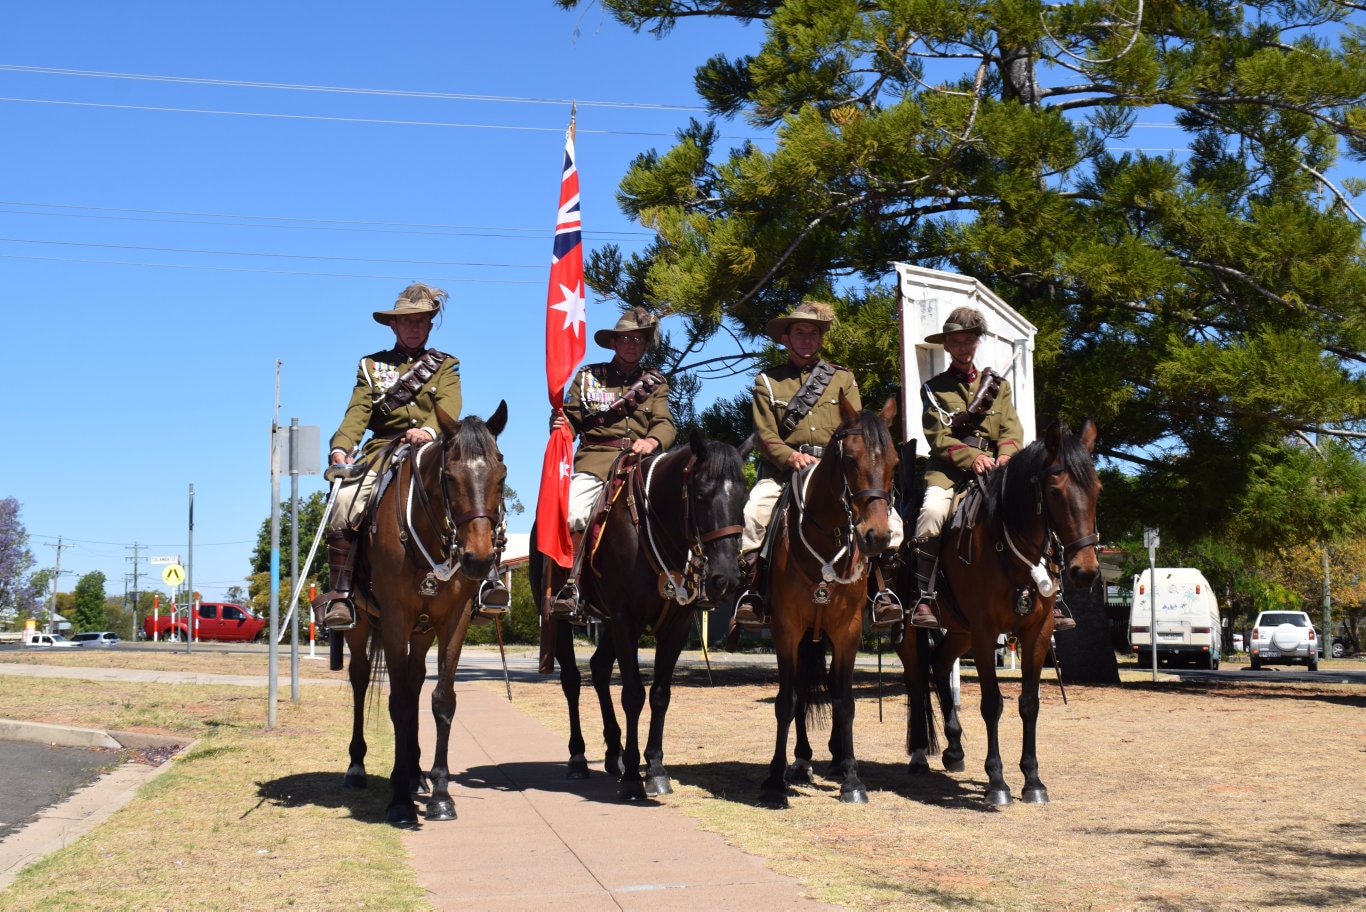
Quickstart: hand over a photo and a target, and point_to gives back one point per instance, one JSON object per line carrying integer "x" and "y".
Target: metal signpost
{"x": 1152, "y": 540}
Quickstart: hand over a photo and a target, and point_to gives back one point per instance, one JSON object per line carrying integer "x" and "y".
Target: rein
{"x": 450, "y": 545}
{"x": 1040, "y": 572}
{"x": 687, "y": 585}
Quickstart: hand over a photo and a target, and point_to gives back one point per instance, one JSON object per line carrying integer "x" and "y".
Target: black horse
{"x": 670, "y": 543}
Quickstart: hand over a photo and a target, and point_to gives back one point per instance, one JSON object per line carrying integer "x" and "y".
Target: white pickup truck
{"x": 49, "y": 640}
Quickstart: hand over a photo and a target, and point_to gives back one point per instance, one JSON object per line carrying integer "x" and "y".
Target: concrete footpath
{"x": 526, "y": 838}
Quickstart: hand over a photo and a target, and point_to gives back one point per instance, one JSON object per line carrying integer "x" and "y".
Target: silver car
{"x": 97, "y": 638}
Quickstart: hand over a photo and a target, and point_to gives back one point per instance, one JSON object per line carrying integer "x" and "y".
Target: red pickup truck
{"x": 216, "y": 621}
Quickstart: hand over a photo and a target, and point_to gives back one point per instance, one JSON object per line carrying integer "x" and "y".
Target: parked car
{"x": 49, "y": 640}
{"x": 1339, "y": 647}
{"x": 97, "y": 638}
{"x": 1284, "y": 638}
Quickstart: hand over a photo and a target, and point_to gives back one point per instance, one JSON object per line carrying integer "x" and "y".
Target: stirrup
{"x": 748, "y": 611}
{"x": 927, "y": 619}
{"x": 887, "y": 610}
{"x": 335, "y": 603}
{"x": 565, "y": 605}
{"x": 1062, "y": 621}
{"x": 493, "y": 599}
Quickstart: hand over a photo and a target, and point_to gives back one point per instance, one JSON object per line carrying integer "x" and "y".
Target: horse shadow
{"x": 323, "y": 790}
{"x": 545, "y": 776}
{"x": 739, "y": 782}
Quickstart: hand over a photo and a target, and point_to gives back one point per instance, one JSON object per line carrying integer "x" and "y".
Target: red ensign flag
{"x": 564, "y": 347}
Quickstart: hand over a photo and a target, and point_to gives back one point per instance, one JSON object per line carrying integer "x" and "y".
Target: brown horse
{"x": 1037, "y": 516}
{"x": 670, "y": 544}
{"x": 832, "y": 521}
{"x": 432, "y": 537}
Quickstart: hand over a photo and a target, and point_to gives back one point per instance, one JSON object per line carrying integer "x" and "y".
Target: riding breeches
{"x": 349, "y": 507}
{"x": 583, "y": 493}
{"x": 933, "y": 511}
{"x": 759, "y": 511}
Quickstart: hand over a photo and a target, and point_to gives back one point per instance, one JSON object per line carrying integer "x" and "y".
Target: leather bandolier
{"x": 412, "y": 380}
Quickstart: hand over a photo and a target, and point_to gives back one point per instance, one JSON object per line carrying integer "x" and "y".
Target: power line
{"x": 250, "y": 271}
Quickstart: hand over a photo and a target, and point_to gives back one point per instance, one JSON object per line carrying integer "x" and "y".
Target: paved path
{"x": 526, "y": 838}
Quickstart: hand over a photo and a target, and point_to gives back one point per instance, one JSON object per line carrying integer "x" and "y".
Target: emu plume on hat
{"x": 635, "y": 320}
{"x": 962, "y": 319}
{"x": 817, "y": 312}
{"x": 416, "y": 299}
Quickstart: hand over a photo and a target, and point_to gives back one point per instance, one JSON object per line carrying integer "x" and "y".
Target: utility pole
{"x": 56, "y": 575}
{"x": 137, "y": 565}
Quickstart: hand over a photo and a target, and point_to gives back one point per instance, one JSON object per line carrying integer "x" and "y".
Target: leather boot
{"x": 887, "y": 611}
{"x": 565, "y": 605}
{"x": 926, "y": 563}
{"x": 335, "y": 609}
{"x": 1062, "y": 621}
{"x": 749, "y": 605}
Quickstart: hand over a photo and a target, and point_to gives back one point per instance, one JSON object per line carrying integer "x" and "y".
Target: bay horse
{"x": 427, "y": 543}
{"x": 830, "y": 524}
{"x": 670, "y": 544}
{"x": 1037, "y": 516}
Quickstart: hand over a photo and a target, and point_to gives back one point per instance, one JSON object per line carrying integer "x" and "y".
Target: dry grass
{"x": 1220, "y": 796}
{"x": 1163, "y": 796}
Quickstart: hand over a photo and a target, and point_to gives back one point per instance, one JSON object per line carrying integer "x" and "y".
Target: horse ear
{"x": 1052, "y": 438}
{"x": 1088, "y": 435}
{"x": 499, "y": 419}
{"x": 888, "y": 409}
{"x": 847, "y": 411}
{"x": 698, "y": 443}
{"x": 445, "y": 422}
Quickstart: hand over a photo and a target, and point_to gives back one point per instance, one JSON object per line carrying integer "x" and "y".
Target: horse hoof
{"x": 854, "y": 796}
{"x": 441, "y": 810}
{"x": 1034, "y": 795}
{"x": 631, "y": 790}
{"x": 998, "y": 797}
{"x": 578, "y": 769}
{"x": 920, "y": 768}
{"x": 799, "y": 773}
{"x": 612, "y": 764}
{"x": 402, "y": 815}
{"x": 773, "y": 799}
{"x": 954, "y": 766}
{"x": 355, "y": 781}
{"x": 659, "y": 785}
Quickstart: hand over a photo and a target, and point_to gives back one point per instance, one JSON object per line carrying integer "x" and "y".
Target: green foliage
{"x": 89, "y": 603}
{"x": 1207, "y": 307}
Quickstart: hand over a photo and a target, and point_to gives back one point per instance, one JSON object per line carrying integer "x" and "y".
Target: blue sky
{"x": 157, "y": 258}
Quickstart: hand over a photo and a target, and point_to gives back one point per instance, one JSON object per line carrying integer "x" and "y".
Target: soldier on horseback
{"x": 613, "y": 407}
{"x": 971, "y": 426}
{"x": 796, "y": 411}
{"x": 396, "y": 395}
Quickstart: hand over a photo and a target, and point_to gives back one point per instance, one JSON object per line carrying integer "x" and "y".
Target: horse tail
{"x": 924, "y": 651}
{"x": 813, "y": 692}
{"x": 378, "y": 669}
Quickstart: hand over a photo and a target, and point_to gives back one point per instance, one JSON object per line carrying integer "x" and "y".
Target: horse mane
{"x": 876, "y": 437}
{"x": 723, "y": 461}
{"x": 472, "y": 438}
{"x": 1009, "y": 492}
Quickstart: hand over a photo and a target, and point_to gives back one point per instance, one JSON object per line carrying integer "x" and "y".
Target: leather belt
{"x": 618, "y": 442}
{"x": 978, "y": 442}
{"x": 811, "y": 450}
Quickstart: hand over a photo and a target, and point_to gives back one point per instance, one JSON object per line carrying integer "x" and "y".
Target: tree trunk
{"x": 1087, "y": 654}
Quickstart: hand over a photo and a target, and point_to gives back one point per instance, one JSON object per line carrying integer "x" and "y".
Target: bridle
{"x": 843, "y": 536}
{"x": 450, "y": 545}
{"x": 689, "y": 584}
{"x": 1040, "y": 571}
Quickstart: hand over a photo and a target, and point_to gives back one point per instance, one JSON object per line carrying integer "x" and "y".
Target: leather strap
{"x": 407, "y": 386}
{"x": 801, "y": 404}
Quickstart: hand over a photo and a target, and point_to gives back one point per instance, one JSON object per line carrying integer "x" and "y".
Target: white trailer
{"x": 927, "y": 297}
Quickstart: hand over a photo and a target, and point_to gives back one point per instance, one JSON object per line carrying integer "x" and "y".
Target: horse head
{"x": 472, "y": 478}
{"x": 867, "y": 459}
{"x": 717, "y": 492}
{"x": 1070, "y": 489}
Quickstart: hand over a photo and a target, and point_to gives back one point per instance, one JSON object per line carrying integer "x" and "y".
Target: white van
{"x": 1188, "y": 624}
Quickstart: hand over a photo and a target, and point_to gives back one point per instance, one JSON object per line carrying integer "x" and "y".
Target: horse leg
{"x": 810, "y": 661}
{"x": 954, "y": 758}
{"x": 998, "y": 792}
{"x": 915, "y": 669}
{"x": 440, "y": 805}
{"x": 1034, "y": 790}
{"x": 773, "y": 791}
{"x": 661, "y": 692}
{"x": 418, "y": 782}
{"x": 403, "y": 714}
{"x": 600, "y": 667}
{"x": 632, "y": 786}
{"x": 571, "y": 683}
{"x": 357, "y": 640}
{"x": 843, "y": 763}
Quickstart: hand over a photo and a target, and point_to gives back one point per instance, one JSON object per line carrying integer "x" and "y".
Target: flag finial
{"x": 573, "y": 116}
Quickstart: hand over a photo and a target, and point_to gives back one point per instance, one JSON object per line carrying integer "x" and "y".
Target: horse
{"x": 831, "y": 522}
{"x": 428, "y": 542}
{"x": 670, "y": 544}
{"x": 1036, "y": 523}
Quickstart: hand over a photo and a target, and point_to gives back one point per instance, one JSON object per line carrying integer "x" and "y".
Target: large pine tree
{"x": 1206, "y": 306}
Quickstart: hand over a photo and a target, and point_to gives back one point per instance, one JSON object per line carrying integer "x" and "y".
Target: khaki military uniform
{"x": 593, "y": 390}
{"x": 773, "y": 389}
{"x": 950, "y": 457}
{"x": 375, "y": 376}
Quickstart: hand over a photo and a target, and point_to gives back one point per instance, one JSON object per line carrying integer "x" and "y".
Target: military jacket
{"x": 950, "y": 458}
{"x": 593, "y": 390}
{"x": 773, "y": 389}
{"x": 376, "y": 375}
